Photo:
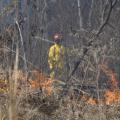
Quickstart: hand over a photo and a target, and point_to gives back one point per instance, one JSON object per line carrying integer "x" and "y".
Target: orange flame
{"x": 111, "y": 74}
{"x": 89, "y": 100}
{"x": 42, "y": 82}
{"x": 111, "y": 96}
{"x": 38, "y": 80}
{"x": 92, "y": 101}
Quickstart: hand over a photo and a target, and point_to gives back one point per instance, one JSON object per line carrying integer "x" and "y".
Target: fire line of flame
{"x": 111, "y": 75}
{"x": 111, "y": 96}
{"x": 41, "y": 81}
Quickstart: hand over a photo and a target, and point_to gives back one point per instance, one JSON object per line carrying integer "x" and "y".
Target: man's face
{"x": 58, "y": 38}
{"x": 57, "y": 41}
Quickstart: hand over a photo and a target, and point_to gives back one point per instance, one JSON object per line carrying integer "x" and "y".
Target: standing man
{"x": 56, "y": 56}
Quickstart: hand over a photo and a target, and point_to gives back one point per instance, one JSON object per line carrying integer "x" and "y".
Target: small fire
{"x": 42, "y": 82}
{"x": 111, "y": 96}
{"x": 38, "y": 81}
{"x": 89, "y": 100}
{"x": 92, "y": 101}
{"x": 111, "y": 75}
{"x": 46, "y": 86}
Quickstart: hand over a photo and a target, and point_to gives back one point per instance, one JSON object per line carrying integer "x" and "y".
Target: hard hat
{"x": 57, "y": 37}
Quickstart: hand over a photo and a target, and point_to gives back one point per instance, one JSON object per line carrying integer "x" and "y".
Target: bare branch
{"x": 21, "y": 38}
{"x": 112, "y": 4}
{"x": 107, "y": 18}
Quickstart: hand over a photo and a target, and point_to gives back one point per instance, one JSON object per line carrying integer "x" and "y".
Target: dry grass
{"x": 35, "y": 104}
